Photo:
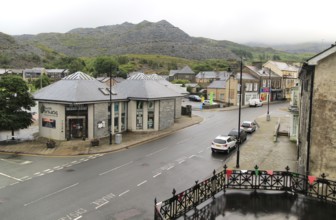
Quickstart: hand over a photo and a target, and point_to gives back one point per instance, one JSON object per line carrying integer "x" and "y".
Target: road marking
{"x": 155, "y": 152}
{"x": 14, "y": 183}
{"x": 121, "y": 194}
{"x": 10, "y": 177}
{"x": 51, "y": 194}
{"x": 192, "y": 156}
{"x": 115, "y": 168}
{"x": 158, "y": 174}
{"x": 170, "y": 167}
{"x": 143, "y": 182}
{"x": 25, "y": 178}
{"x": 181, "y": 161}
{"x": 58, "y": 168}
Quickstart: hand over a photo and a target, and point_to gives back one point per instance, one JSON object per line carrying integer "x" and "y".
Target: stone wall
{"x": 167, "y": 113}
{"x": 323, "y": 147}
{"x": 101, "y": 115}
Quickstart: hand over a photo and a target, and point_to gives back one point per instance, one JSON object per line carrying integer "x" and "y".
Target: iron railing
{"x": 179, "y": 204}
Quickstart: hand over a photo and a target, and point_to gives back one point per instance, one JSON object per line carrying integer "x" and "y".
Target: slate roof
{"x": 217, "y": 84}
{"x": 77, "y": 88}
{"x": 184, "y": 70}
{"x": 318, "y": 57}
{"x": 213, "y": 75}
{"x": 284, "y": 66}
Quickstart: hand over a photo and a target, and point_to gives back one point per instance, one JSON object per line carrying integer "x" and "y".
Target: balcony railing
{"x": 179, "y": 204}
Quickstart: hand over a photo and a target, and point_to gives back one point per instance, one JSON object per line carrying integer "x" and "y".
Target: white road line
{"x": 10, "y": 177}
{"x": 170, "y": 167}
{"x": 74, "y": 162}
{"x": 97, "y": 207}
{"x": 121, "y": 194}
{"x": 155, "y": 152}
{"x": 46, "y": 170}
{"x": 143, "y": 182}
{"x": 51, "y": 194}
{"x": 78, "y": 218}
{"x": 58, "y": 168}
{"x": 181, "y": 161}
{"x": 158, "y": 174}
{"x": 115, "y": 168}
{"x": 14, "y": 183}
{"x": 192, "y": 156}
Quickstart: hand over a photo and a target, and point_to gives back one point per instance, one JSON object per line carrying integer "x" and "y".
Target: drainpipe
{"x": 309, "y": 122}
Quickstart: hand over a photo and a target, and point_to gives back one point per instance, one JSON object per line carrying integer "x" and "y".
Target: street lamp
{"x": 110, "y": 122}
{"x": 268, "y": 117}
{"x": 240, "y": 102}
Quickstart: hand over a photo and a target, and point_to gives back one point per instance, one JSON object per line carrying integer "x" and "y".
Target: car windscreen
{"x": 246, "y": 125}
{"x": 219, "y": 141}
{"x": 233, "y": 133}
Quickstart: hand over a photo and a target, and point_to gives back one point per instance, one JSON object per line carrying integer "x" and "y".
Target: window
{"x": 123, "y": 116}
{"x": 151, "y": 110}
{"x": 116, "y": 117}
{"x": 139, "y": 115}
{"x": 255, "y": 87}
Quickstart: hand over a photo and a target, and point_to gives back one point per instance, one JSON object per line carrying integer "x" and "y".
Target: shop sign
{"x": 45, "y": 110}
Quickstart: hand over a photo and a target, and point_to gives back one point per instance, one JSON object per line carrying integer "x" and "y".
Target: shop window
{"x": 139, "y": 115}
{"x": 151, "y": 110}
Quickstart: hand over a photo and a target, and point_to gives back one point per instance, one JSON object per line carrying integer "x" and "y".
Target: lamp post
{"x": 268, "y": 117}
{"x": 110, "y": 122}
{"x": 239, "y": 114}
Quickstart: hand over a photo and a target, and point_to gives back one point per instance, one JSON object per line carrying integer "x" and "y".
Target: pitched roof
{"x": 184, "y": 70}
{"x": 217, "y": 84}
{"x": 284, "y": 66}
{"x": 316, "y": 59}
{"x": 213, "y": 75}
{"x": 77, "y": 88}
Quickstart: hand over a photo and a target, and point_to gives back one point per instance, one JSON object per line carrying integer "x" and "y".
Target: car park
{"x": 255, "y": 102}
{"x": 195, "y": 98}
{"x": 249, "y": 126}
{"x": 223, "y": 143}
{"x": 243, "y": 135}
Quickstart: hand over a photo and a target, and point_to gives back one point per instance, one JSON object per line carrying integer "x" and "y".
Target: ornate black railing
{"x": 179, "y": 204}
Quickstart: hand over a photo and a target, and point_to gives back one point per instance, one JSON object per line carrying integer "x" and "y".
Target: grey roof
{"x": 263, "y": 72}
{"x": 217, "y": 84}
{"x": 284, "y": 66}
{"x": 77, "y": 88}
{"x": 146, "y": 89}
{"x": 245, "y": 76}
{"x": 213, "y": 75}
{"x": 184, "y": 70}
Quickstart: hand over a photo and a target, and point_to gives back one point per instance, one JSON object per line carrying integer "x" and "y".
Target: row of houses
{"x": 36, "y": 72}
{"x": 274, "y": 79}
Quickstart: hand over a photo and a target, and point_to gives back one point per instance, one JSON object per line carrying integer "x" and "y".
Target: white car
{"x": 207, "y": 102}
{"x": 255, "y": 102}
{"x": 223, "y": 143}
{"x": 248, "y": 126}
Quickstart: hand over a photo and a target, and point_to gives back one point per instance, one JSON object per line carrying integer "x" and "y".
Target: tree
{"x": 14, "y": 101}
{"x": 104, "y": 65}
{"x": 45, "y": 81}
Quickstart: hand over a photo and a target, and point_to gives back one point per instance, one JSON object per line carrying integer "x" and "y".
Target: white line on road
{"x": 181, "y": 161}
{"x": 170, "y": 167}
{"x": 51, "y": 194}
{"x": 115, "y": 168}
{"x": 121, "y": 194}
{"x": 155, "y": 152}
{"x": 192, "y": 156}
{"x": 10, "y": 177}
{"x": 158, "y": 174}
{"x": 97, "y": 207}
{"x": 78, "y": 217}
{"x": 142, "y": 183}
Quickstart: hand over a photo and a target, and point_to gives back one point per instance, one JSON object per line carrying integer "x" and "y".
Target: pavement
{"x": 260, "y": 149}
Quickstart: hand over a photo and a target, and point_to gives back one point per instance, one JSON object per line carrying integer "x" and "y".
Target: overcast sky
{"x": 241, "y": 21}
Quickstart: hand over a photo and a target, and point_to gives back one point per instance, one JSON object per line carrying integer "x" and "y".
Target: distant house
{"x": 250, "y": 87}
{"x": 33, "y": 73}
{"x": 288, "y": 72}
{"x": 266, "y": 79}
{"x": 11, "y": 72}
{"x": 207, "y": 77}
{"x": 317, "y": 139}
{"x": 218, "y": 88}
{"x": 57, "y": 73}
{"x": 185, "y": 73}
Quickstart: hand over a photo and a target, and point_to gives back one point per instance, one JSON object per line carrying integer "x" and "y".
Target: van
{"x": 255, "y": 102}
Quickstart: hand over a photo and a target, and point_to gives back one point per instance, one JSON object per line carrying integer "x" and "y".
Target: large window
{"x": 116, "y": 117}
{"x": 123, "y": 116}
{"x": 139, "y": 115}
{"x": 151, "y": 110}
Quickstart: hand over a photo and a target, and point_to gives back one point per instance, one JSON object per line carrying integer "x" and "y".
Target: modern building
{"x": 317, "y": 139}
{"x": 79, "y": 106}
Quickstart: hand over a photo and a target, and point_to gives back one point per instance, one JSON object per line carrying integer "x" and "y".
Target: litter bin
{"x": 118, "y": 138}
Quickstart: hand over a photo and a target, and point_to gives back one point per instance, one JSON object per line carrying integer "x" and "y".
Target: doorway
{"x": 76, "y": 126}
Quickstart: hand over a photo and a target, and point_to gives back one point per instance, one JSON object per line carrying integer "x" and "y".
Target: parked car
{"x": 195, "y": 98}
{"x": 255, "y": 102}
{"x": 243, "y": 135}
{"x": 248, "y": 126}
{"x": 207, "y": 102}
{"x": 223, "y": 143}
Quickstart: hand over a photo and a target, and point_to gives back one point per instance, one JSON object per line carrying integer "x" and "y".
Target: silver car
{"x": 248, "y": 126}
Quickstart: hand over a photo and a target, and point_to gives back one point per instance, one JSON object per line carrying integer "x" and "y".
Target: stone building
{"x": 317, "y": 139}
{"x": 79, "y": 106}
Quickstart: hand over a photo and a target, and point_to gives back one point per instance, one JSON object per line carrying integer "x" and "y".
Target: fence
{"x": 179, "y": 204}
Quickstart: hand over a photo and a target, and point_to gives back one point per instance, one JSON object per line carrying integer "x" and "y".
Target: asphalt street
{"x": 123, "y": 184}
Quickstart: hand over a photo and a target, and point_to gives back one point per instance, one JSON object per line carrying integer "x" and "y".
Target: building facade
{"x": 79, "y": 106}
{"x": 317, "y": 141}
